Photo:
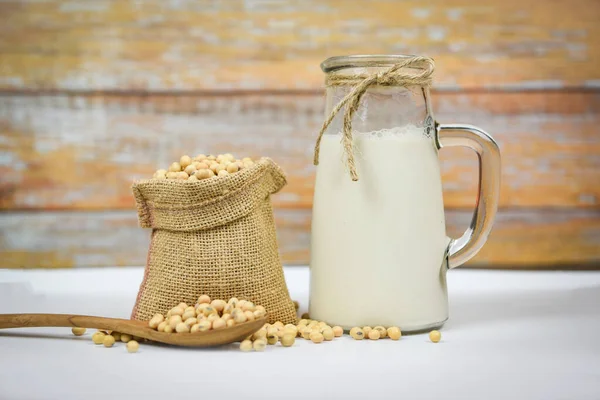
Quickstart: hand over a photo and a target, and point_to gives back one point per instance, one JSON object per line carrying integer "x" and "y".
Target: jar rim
{"x": 361, "y": 60}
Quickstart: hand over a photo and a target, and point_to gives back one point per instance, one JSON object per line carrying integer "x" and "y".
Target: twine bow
{"x": 361, "y": 82}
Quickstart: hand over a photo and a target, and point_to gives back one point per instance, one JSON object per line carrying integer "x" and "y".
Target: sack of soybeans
{"x": 213, "y": 233}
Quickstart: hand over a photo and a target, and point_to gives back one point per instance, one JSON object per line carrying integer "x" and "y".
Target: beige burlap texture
{"x": 215, "y": 237}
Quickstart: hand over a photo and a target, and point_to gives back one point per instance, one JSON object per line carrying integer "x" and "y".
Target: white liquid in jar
{"x": 378, "y": 244}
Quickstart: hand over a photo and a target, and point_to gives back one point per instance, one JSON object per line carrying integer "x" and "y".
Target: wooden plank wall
{"x": 95, "y": 94}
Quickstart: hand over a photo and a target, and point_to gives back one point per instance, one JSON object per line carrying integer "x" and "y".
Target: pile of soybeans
{"x": 218, "y": 314}
{"x": 108, "y": 339}
{"x": 206, "y": 314}
{"x": 203, "y": 167}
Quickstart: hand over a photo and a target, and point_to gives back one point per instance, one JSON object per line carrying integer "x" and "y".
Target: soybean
{"x": 78, "y": 331}
{"x": 132, "y": 346}
{"x": 98, "y": 337}
{"x": 394, "y": 333}
{"x": 174, "y": 320}
{"x": 435, "y": 336}
{"x": 157, "y": 319}
{"x": 259, "y": 345}
{"x": 204, "y": 325}
{"x": 249, "y": 315}
{"x": 382, "y": 331}
{"x": 175, "y": 167}
{"x": 108, "y": 341}
{"x": 357, "y": 333}
{"x": 160, "y": 328}
{"x": 374, "y": 334}
{"x": 175, "y": 311}
{"x": 260, "y": 334}
{"x": 219, "y": 323}
{"x": 367, "y": 330}
{"x": 306, "y": 333}
{"x": 246, "y": 345}
{"x": 338, "y": 331}
{"x": 316, "y": 337}
{"x": 328, "y": 334}
{"x": 272, "y": 338}
{"x": 288, "y": 340}
{"x": 185, "y": 161}
{"x": 188, "y": 314}
{"x": 218, "y": 305}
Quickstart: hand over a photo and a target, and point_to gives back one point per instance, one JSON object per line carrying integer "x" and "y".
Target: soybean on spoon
{"x": 135, "y": 328}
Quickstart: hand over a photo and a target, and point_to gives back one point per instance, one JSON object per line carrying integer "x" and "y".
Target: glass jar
{"x": 379, "y": 250}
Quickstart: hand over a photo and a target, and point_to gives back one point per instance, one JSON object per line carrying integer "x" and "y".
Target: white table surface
{"x": 511, "y": 335}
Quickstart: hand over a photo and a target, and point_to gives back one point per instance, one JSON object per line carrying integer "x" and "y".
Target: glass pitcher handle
{"x": 464, "y": 248}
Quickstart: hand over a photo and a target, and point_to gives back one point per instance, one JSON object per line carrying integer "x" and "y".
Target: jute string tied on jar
{"x": 397, "y": 75}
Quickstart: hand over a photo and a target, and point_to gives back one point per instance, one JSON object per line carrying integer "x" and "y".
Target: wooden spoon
{"x": 135, "y": 328}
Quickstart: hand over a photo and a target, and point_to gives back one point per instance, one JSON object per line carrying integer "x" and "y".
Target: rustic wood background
{"x": 95, "y": 94}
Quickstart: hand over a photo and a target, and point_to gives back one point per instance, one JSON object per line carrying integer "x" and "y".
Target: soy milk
{"x": 378, "y": 244}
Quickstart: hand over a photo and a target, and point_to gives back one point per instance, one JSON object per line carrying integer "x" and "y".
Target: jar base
{"x": 414, "y": 329}
{"x": 417, "y": 329}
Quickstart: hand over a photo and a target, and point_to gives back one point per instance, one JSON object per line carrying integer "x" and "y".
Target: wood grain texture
{"x": 523, "y": 238}
{"x": 83, "y": 152}
{"x": 97, "y": 93}
{"x": 208, "y": 338}
{"x": 253, "y": 44}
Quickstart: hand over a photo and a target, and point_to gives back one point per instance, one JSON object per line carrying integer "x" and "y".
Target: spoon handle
{"x": 66, "y": 320}
{"x": 141, "y": 329}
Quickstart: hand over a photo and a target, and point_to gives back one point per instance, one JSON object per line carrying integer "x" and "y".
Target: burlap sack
{"x": 214, "y": 237}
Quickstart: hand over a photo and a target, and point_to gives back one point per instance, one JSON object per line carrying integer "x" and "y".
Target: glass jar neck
{"x": 385, "y": 92}
{"x": 382, "y": 107}
{"x": 340, "y": 63}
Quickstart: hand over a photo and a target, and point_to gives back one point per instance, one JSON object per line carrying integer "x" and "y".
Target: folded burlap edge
{"x": 187, "y": 206}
